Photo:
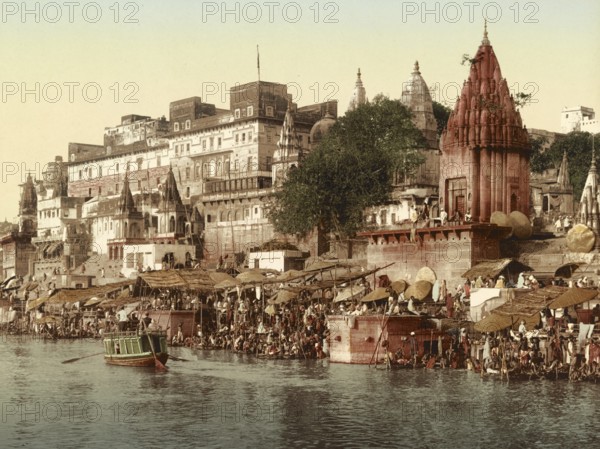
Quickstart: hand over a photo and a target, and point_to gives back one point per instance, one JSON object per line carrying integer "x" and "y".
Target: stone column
{"x": 484, "y": 185}
{"x": 474, "y": 184}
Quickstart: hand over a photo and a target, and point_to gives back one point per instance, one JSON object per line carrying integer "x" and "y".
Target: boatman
{"x": 122, "y": 319}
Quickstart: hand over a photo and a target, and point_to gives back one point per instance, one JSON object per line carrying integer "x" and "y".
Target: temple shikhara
{"x": 485, "y": 147}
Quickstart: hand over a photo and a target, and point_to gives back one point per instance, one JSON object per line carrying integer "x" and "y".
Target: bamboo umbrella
{"x": 399, "y": 286}
{"x": 572, "y": 297}
{"x": 377, "y": 294}
{"x": 419, "y": 290}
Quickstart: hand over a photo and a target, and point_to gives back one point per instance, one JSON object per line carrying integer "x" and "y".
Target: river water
{"x": 220, "y": 399}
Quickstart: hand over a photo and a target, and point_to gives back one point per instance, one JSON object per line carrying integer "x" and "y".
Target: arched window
{"x": 172, "y": 224}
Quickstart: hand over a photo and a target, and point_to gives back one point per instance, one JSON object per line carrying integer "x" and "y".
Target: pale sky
{"x": 183, "y": 48}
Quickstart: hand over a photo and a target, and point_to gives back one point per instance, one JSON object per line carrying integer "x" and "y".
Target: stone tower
{"x": 289, "y": 151}
{"x": 359, "y": 96}
{"x": 485, "y": 147}
{"x": 28, "y": 208}
{"x": 417, "y": 98}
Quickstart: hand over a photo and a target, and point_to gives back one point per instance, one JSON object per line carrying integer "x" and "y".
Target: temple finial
{"x": 358, "y": 74}
{"x": 485, "y": 40}
{"x": 416, "y": 68}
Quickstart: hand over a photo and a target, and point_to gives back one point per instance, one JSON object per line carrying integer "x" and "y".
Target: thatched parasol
{"x": 34, "y": 304}
{"x": 399, "y": 286}
{"x": 284, "y": 296}
{"x": 377, "y": 294}
{"x": 426, "y": 274}
{"x": 580, "y": 239}
{"x": 250, "y": 277}
{"x": 501, "y": 219}
{"x": 290, "y": 275}
{"x": 320, "y": 265}
{"x": 219, "y": 276}
{"x": 573, "y": 296}
{"x": 419, "y": 290}
{"x": 493, "y": 323}
{"x": 521, "y": 226}
{"x": 227, "y": 284}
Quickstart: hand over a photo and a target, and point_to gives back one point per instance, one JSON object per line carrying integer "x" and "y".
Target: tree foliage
{"x": 351, "y": 169}
{"x": 578, "y": 146}
{"x": 441, "y": 114}
{"x": 540, "y": 159}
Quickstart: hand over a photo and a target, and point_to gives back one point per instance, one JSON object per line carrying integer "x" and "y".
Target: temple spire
{"x": 360, "y": 95}
{"x": 563, "y": 173}
{"x": 485, "y": 40}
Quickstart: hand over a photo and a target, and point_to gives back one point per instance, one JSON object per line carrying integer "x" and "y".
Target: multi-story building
{"x": 579, "y": 118}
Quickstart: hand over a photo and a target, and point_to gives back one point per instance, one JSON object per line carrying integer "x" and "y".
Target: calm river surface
{"x": 219, "y": 399}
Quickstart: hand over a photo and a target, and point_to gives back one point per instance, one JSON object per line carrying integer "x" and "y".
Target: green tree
{"x": 441, "y": 114}
{"x": 352, "y": 168}
{"x": 540, "y": 159}
{"x": 578, "y": 146}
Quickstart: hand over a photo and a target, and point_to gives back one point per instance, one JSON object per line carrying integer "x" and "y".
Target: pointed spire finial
{"x": 358, "y": 74}
{"x": 416, "y": 68}
{"x": 485, "y": 40}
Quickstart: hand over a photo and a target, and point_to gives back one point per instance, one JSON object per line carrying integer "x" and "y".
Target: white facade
{"x": 579, "y": 118}
{"x": 151, "y": 255}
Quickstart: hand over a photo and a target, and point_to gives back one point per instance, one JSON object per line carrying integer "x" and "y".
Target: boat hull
{"x": 136, "y": 360}
{"x": 133, "y": 348}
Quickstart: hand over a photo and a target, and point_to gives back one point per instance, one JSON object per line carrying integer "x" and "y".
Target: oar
{"x": 177, "y": 359}
{"x": 157, "y": 363}
{"x": 84, "y": 357}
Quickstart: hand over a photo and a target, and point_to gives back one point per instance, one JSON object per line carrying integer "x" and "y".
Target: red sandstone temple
{"x": 485, "y": 147}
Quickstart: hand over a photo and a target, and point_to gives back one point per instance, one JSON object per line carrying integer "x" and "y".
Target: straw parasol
{"x": 580, "y": 239}
{"x": 284, "y": 296}
{"x": 320, "y": 265}
{"x": 250, "y": 277}
{"x": 227, "y": 284}
{"x": 572, "y": 297}
{"x": 399, "y": 286}
{"x": 419, "y": 290}
{"x": 426, "y": 274}
{"x": 521, "y": 226}
{"x": 501, "y": 219}
{"x": 290, "y": 275}
{"x": 493, "y": 323}
{"x": 219, "y": 276}
{"x": 378, "y": 293}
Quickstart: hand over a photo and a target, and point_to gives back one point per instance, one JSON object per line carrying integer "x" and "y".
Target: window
{"x": 197, "y": 171}
{"x": 219, "y": 142}
{"x": 90, "y": 191}
{"x": 80, "y": 174}
{"x": 237, "y": 138}
{"x": 187, "y": 192}
{"x": 117, "y": 187}
{"x": 99, "y": 172}
{"x": 188, "y": 124}
{"x": 243, "y": 137}
{"x": 204, "y": 145}
{"x": 212, "y": 142}
{"x": 187, "y": 148}
{"x": 99, "y": 190}
{"x": 117, "y": 167}
{"x": 270, "y": 111}
{"x": 188, "y": 172}
{"x": 176, "y": 126}
{"x": 250, "y": 111}
{"x": 249, "y": 136}
{"x": 237, "y": 113}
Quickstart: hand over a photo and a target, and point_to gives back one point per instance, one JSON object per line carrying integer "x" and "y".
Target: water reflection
{"x": 218, "y": 399}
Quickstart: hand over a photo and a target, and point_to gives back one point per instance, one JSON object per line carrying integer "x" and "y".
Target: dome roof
{"x": 321, "y": 128}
